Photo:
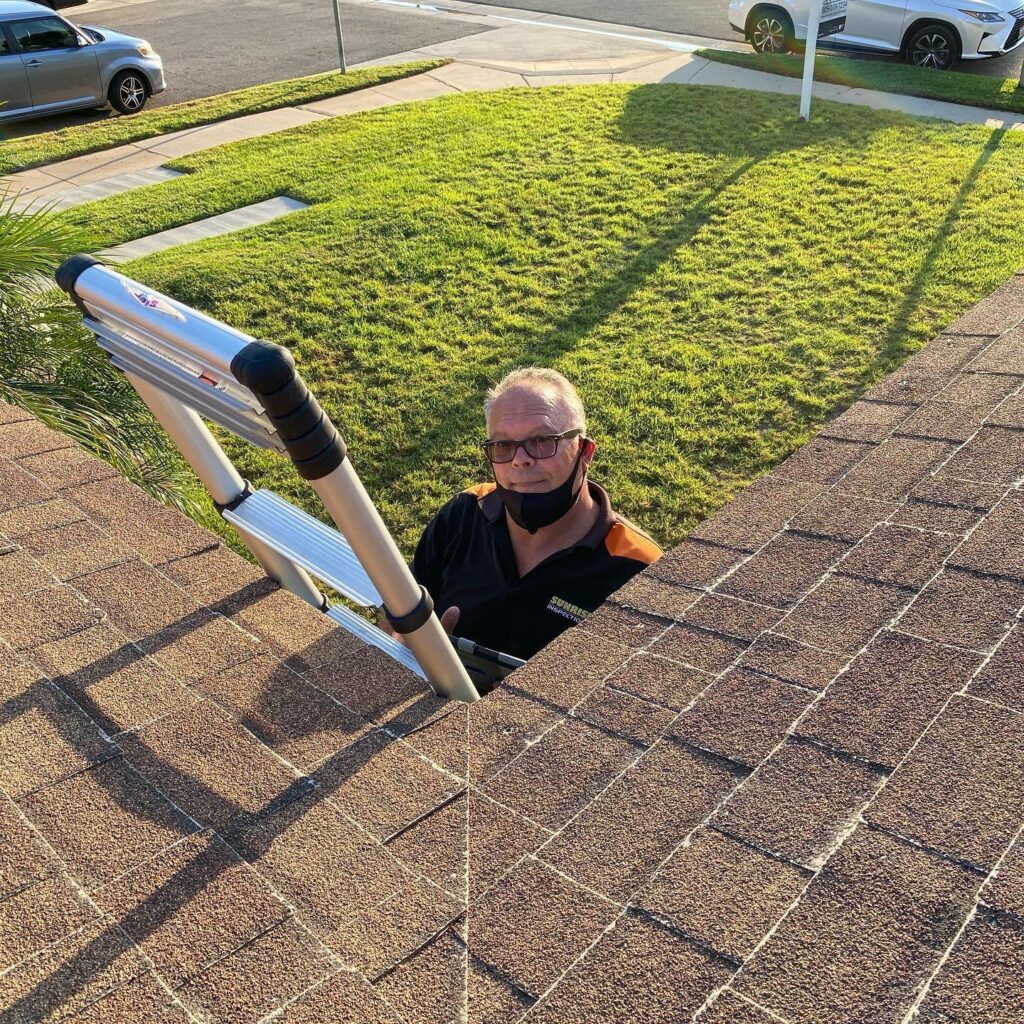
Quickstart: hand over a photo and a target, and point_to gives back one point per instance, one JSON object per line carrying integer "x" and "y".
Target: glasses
{"x": 542, "y": 447}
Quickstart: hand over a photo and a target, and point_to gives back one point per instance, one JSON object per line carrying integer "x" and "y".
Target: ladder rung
{"x": 303, "y": 539}
{"x": 216, "y": 403}
{"x": 243, "y": 426}
{"x": 358, "y": 626}
{"x": 110, "y": 327}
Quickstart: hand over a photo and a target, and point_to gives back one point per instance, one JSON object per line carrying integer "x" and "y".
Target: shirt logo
{"x": 572, "y": 612}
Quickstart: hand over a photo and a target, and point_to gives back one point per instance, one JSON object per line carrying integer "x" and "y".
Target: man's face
{"x": 523, "y": 413}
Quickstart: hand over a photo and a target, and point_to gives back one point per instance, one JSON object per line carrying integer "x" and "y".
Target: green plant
{"x": 51, "y": 367}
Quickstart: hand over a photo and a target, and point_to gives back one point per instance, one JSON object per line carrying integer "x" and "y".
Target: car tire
{"x": 933, "y": 46}
{"x": 128, "y": 92}
{"x": 770, "y": 31}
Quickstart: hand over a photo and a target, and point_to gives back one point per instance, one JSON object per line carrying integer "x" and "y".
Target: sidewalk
{"x": 562, "y": 51}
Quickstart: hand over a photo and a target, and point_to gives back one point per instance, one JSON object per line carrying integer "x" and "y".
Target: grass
{"x": 77, "y": 140}
{"x": 716, "y": 276}
{"x": 950, "y": 86}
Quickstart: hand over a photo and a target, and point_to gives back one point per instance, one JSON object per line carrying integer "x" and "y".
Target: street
{"x": 709, "y": 18}
{"x": 211, "y": 46}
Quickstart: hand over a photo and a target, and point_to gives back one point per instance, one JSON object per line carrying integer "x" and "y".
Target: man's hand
{"x": 448, "y": 621}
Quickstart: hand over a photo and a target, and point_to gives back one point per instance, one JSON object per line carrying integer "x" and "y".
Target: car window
{"x": 43, "y": 34}
{"x": 4, "y": 48}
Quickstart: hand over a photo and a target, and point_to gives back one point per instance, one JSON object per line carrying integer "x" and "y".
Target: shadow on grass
{"x": 890, "y": 350}
{"x": 679, "y": 120}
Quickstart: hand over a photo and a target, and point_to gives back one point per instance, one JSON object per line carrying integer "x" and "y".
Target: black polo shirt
{"x": 465, "y": 558}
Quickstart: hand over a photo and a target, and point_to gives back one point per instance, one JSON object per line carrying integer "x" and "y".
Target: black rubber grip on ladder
{"x": 268, "y": 371}
{"x": 410, "y": 623}
{"x": 73, "y": 268}
{"x": 70, "y": 271}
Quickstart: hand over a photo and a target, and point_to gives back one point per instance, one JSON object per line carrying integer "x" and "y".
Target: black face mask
{"x": 533, "y": 510}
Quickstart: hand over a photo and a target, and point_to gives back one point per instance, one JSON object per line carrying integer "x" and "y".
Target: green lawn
{"x": 717, "y": 276}
{"x": 76, "y": 140}
{"x": 951, "y": 86}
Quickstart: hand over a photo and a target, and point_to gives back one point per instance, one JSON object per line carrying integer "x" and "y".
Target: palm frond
{"x": 51, "y": 367}
{"x": 32, "y": 242}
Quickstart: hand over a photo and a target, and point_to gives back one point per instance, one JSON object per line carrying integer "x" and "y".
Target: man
{"x": 512, "y": 563}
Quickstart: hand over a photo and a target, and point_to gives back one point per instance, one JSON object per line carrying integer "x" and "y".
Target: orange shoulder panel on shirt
{"x": 625, "y": 541}
{"x": 480, "y": 489}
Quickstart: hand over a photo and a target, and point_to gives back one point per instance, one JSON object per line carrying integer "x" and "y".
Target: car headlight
{"x": 145, "y": 49}
{"x": 986, "y": 16}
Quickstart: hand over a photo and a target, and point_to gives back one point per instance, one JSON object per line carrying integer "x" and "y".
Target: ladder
{"x": 187, "y": 366}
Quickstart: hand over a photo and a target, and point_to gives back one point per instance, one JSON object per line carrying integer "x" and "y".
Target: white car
{"x": 928, "y": 33}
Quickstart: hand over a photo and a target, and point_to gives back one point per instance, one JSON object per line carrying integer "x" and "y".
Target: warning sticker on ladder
{"x": 153, "y": 302}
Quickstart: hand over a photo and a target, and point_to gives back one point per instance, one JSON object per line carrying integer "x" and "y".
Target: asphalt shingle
{"x": 781, "y": 573}
{"x": 742, "y": 716}
{"x": 801, "y": 803}
{"x": 533, "y": 924}
{"x": 983, "y": 979}
{"x": 638, "y": 971}
{"x": 562, "y": 772}
{"x": 879, "y": 707}
{"x": 219, "y": 690}
{"x": 191, "y": 905}
{"x": 867, "y": 933}
{"x": 755, "y": 515}
{"x": 961, "y": 791}
{"x": 620, "y": 838}
{"x": 965, "y": 609}
{"x": 723, "y": 893}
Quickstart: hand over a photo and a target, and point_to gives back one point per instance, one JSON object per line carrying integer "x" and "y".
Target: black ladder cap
{"x": 72, "y": 268}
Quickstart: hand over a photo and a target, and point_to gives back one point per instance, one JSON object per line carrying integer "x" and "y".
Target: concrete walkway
{"x": 563, "y": 51}
{"x": 208, "y": 227}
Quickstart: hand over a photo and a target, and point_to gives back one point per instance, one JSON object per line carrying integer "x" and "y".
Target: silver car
{"x": 928, "y": 33}
{"x": 48, "y": 65}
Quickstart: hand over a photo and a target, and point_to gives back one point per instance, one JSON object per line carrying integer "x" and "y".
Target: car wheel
{"x": 128, "y": 92}
{"x": 934, "y": 46}
{"x": 771, "y": 31}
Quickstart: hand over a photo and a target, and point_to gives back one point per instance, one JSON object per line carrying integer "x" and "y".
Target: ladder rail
{"x": 99, "y": 290}
{"x": 183, "y": 363}
{"x": 225, "y": 484}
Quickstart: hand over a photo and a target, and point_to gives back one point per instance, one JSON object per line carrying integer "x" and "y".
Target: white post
{"x": 336, "y": 4}
{"x": 813, "y": 24}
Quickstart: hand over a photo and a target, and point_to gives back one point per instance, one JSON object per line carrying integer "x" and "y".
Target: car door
{"x": 876, "y": 24}
{"x": 61, "y": 68}
{"x": 15, "y": 97}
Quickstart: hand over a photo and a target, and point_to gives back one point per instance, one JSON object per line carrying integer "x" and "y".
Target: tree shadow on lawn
{"x": 891, "y": 348}
{"x": 678, "y": 119}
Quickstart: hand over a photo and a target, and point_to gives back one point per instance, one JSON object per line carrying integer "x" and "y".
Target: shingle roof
{"x": 780, "y": 777}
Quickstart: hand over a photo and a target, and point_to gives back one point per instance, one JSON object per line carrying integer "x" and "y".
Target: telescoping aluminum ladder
{"x": 186, "y": 365}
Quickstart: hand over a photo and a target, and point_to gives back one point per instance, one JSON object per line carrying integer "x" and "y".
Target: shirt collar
{"x": 493, "y": 509}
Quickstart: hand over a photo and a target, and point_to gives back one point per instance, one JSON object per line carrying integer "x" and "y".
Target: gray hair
{"x": 547, "y": 382}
